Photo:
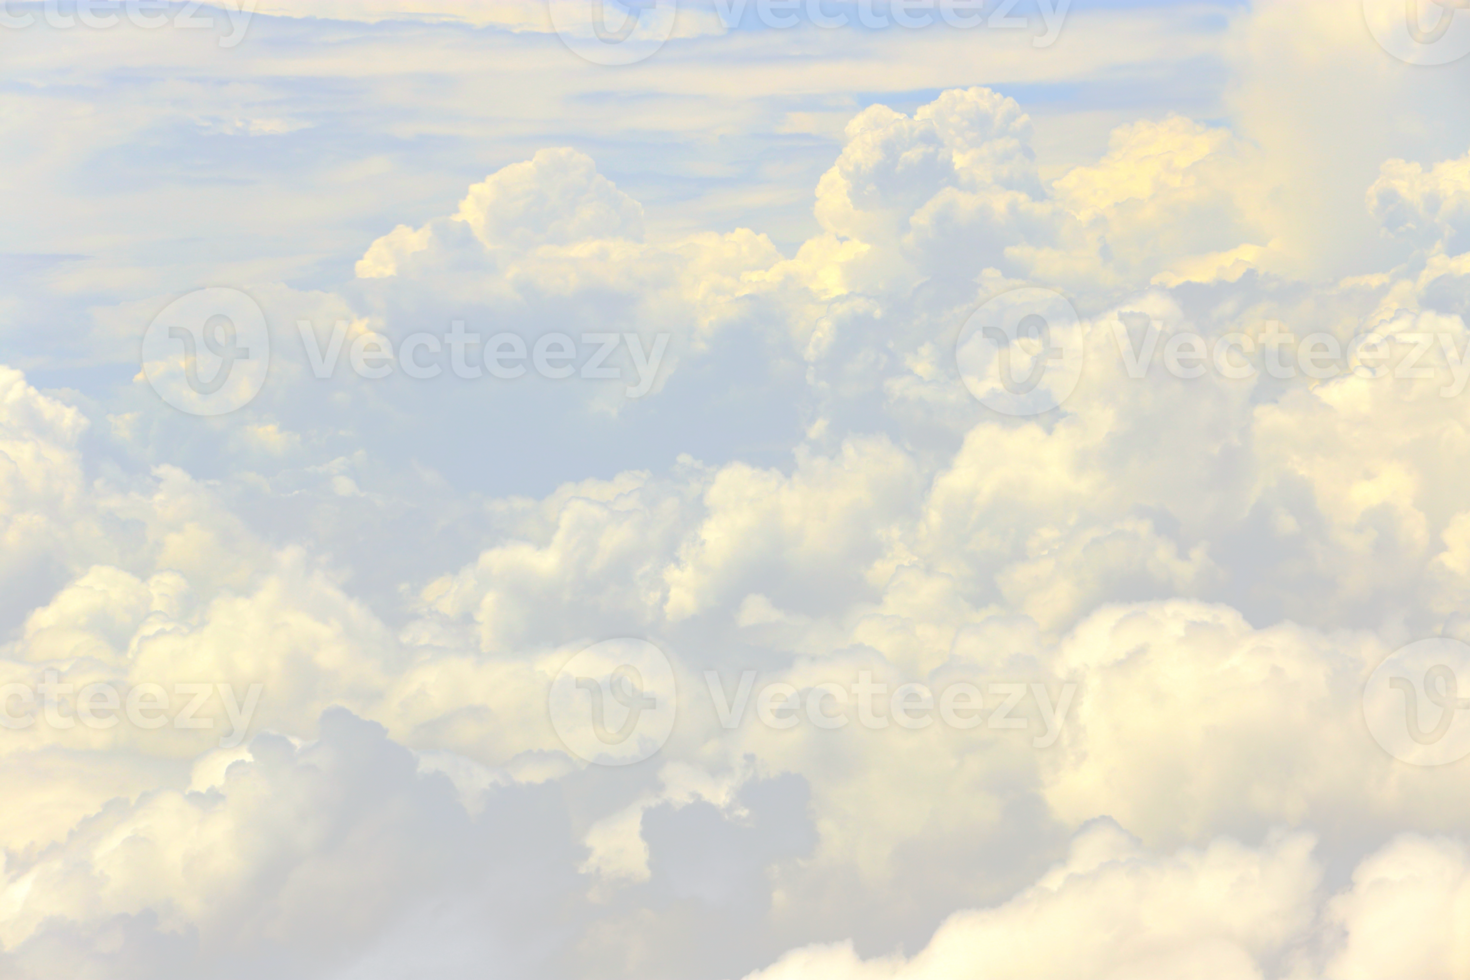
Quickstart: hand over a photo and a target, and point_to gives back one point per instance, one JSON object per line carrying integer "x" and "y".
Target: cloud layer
{"x": 1168, "y": 594}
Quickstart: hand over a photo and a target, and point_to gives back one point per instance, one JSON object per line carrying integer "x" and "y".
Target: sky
{"x": 688, "y": 489}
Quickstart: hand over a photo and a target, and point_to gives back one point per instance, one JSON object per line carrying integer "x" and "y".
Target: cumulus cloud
{"x": 1224, "y": 912}
{"x": 556, "y": 198}
{"x": 316, "y": 858}
{"x": 1207, "y": 914}
{"x": 955, "y": 189}
{"x": 1430, "y": 207}
{"x": 1188, "y": 580}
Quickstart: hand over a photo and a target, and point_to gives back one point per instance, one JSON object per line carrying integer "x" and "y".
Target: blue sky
{"x": 282, "y": 159}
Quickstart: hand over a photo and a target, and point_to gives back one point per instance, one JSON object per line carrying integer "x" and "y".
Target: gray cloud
{"x": 701, "y": 851}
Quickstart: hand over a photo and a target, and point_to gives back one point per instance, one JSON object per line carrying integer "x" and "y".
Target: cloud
{"x": 1429, "y": 208}
{"x": 956, "y": 190}
{"x": 1210, "y": 914}
{"x": 728, "y": 875}
{"x": 513, "y": 15}
{"x": 1197, "y": 573}
{"x": 556, "y": 198}
{"x": 1224, "y": 912}
{"x": 316, "y": 857}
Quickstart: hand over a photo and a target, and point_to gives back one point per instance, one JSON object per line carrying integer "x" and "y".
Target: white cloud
{"x": 1211, "y": 568}
{"x": 1432, "y": 208}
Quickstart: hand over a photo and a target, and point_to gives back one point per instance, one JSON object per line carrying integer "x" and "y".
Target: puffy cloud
{"x": 1405, "y": 913}
{"x": 712, "y": 296}
{"x": 41, "y": 486}
{"x": 960, "y": 168}
{"x": 1060, "y": 578}
{"x": 1430, "y": 208}
{"x": 315, "y": 858}
{"x": 1224, "y": 912}
{"x": 1312, "y": 157}
{"x": 1197, "y": 573}
{"x": 955, "y": 189}
{"x": 1211, "y": 914}
{"x": 1172, "y": 201}
{"x": 556, "y": 198}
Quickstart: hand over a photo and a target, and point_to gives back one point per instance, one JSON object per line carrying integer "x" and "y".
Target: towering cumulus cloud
{"x": 1080, "y": 693}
